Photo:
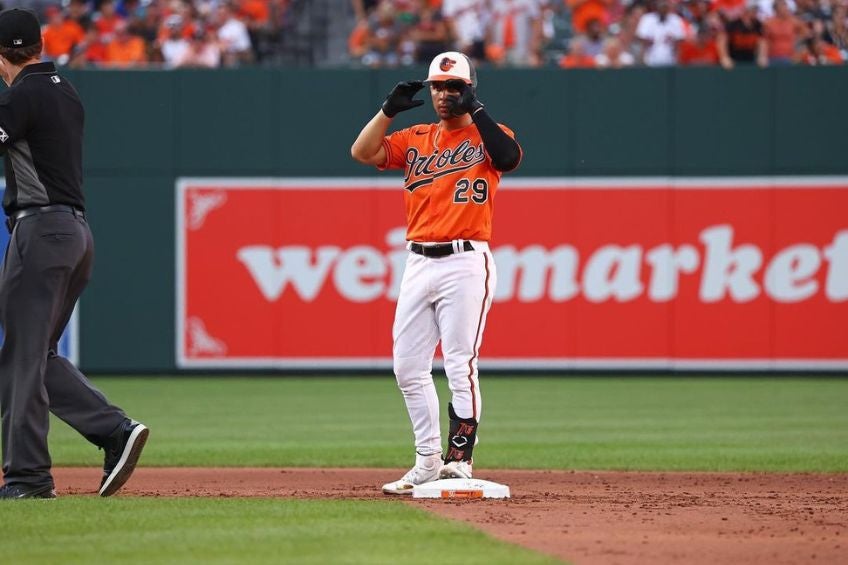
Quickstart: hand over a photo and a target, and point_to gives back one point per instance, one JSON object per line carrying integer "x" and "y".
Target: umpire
{"x": 45, "y": 269}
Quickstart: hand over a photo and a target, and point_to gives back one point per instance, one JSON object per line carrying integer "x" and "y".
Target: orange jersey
{"x": 449, "y": 181}
{"x": 61, "y": 39}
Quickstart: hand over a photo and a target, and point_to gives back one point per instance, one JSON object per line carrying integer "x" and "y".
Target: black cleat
{"x": 122, "y": 454}
{"x": 10, "y": 492}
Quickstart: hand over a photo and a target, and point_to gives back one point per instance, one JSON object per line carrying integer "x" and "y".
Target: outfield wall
{"x": 148, "y": 129}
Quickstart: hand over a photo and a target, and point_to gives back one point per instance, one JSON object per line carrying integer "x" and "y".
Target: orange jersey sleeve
{"x": 396, "y": 145}
{"x": 449, "y": 181}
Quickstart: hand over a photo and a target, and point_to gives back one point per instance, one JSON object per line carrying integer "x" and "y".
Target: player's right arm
{"x": 368, "y": 147}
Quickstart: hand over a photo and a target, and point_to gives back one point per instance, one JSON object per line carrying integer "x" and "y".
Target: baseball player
{"x": 451, "y": 174}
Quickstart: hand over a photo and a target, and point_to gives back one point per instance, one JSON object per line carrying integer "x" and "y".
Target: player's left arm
{"x": 503, "y": 150}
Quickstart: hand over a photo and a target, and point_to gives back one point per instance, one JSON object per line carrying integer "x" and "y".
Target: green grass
{"x": 739, "y": 424}
{"x": 713, "y": 424}
{"x": 91, "y": 530}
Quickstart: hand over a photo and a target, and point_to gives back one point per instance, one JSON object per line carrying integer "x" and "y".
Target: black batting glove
{"x": 466, "y": 102}
{"x": 400, "y": 98}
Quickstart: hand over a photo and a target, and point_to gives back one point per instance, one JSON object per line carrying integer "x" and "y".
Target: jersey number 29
{"x": 479, "y": 191}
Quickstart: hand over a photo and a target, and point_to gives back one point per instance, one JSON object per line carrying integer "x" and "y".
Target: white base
{"x": 461, "y": 488}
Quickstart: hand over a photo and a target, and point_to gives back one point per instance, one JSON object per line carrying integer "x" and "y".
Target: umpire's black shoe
{"x": 10, "y": 492}
{"x": 122, "y": 453}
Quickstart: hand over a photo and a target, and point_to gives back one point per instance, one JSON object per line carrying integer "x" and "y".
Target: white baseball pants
{"x": 447, "y": 299}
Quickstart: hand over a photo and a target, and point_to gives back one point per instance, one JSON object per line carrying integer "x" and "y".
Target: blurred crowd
{"x": 169, "y": 33}
{"x": 602, "y": 33}
{"x": 390, "y": 33}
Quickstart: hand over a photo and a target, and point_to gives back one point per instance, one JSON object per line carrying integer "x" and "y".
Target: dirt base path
{"x": 587, "y": 518}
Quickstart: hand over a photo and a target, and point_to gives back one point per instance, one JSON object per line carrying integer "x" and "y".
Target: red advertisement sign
{"x": 592, "y": 273}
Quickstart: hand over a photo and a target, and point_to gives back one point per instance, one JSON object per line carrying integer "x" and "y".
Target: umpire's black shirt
{"x": 41, "y": 122}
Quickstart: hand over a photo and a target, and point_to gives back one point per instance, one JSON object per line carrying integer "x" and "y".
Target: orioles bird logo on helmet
{"x": 446, "y": 64}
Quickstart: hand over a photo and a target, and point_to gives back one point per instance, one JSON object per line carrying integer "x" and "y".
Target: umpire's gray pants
{"x": 46, "y": 267}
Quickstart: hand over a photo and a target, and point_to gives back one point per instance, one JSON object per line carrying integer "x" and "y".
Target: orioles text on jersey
{"x": 436, "y": 165}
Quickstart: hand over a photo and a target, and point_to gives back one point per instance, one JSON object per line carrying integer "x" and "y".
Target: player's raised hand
{"x": 464, "y": 103}
{"x": 400, "y": 98}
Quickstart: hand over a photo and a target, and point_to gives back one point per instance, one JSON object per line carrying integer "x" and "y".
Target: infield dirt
{"x": 587, "y": 518}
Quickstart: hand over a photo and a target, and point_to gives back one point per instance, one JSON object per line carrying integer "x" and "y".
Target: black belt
{"x": 20, "y": 214}
{"x": 438, "y": 250}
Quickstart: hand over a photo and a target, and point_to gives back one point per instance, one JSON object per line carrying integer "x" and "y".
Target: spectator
{"x": 147, "y": 23}
{"x": 127, "y": 9}
{"x": 816, "y": 51}
{"x": 191, "y": 13}
{"x": 660, "y": 32}
{"x": 78, "y": 11}
{"x": 256, "y": 13}
{"x": 583, "y": 11}
{"x": 430, "y": 34}
{"x": 106, "y": 20}
{"x": 729, "y": 9}
{"x": 90, "y": 52}
{"x": 236, "y": 48}
{"x": 182, "y": 20}
{"x": 782, "y": 33}
{"x": 202, "y": 52}
{"x": 257, "y": 16}
{"x": 173, "y": 46}
{"x": 467, "y": 21}
{"x": 556, "y": 30}
{"x": 742, "y": 40}
{"x": 383, "y": 39}
{"x": 765, "y": 8}
{"x": 593, "y": 43}
{"x": 614, "y": 56}
{"x": 700, "y": 50}
{"x": 60, "y": 35}
{"x": 406, "y": 11}
{"x": 809, "y": 11}
{"x": 577, "y": 57}
{"x": 516, "y": 30}
{"x": 837, "y": 27}
{"x": 125, "y": 50}
{"x": 698, "y": 12}
{"x": 629, "y": 23}
{"x": 363, "y": 8}
{"x": 357, "y": 43}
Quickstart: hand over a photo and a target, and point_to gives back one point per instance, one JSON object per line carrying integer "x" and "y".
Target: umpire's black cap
{"x": 19, "y": 28}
